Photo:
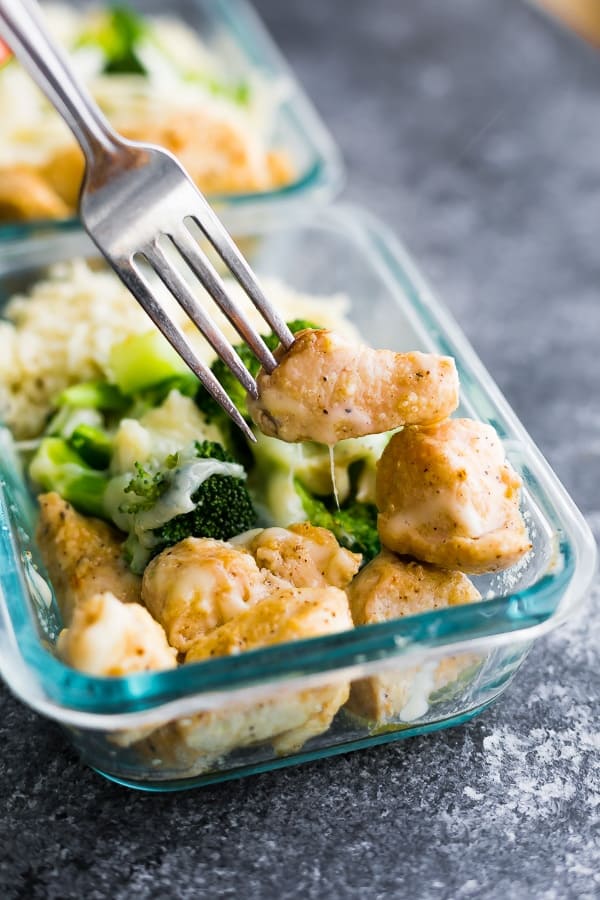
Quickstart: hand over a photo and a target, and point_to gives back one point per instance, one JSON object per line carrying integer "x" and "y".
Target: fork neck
{"x": 23, "y": 28}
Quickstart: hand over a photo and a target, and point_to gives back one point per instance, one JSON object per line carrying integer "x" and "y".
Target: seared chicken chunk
{"x": 107, "y": 637}
{"x": 216, "y": 153}
{"x": 195, "y": 744}
{"x": 447, "y": 495}
{"x": 289, "y": 614}
{"x": 64, "y": 173}
{"x": 25, "y": 195}
{"x": 326, "y": 388}
{"x": 197, "y": 585}
{"x": 82, "y": 555}
{"x": 404, "y": 694}
{"x": 302, "y": 554}
{"x": 390, "y": 588}
{"x": 287, "y": 718}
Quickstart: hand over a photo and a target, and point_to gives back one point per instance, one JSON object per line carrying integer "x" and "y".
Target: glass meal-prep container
{"x": 168, "y": 730}
{"x": 243, "y": 69}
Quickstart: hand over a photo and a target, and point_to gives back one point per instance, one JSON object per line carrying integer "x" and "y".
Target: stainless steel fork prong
{"x": 138, "y": 286}
{"x": 212, "y": 281}
{"x": 176, "y": 284}
{"x": 212, "y": 227}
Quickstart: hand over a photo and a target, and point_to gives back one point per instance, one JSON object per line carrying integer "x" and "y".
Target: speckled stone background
{"x": 474, "y": 130}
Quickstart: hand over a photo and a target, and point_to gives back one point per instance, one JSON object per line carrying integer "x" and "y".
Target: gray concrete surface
{"x": 474, "y": 130}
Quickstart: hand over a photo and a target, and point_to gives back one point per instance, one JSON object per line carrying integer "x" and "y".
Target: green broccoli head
{"x": 354, "y": 525}
{"x": 212, "y": 450}
{"x": 223, "y": 509}
{"x": 232, "y": 386}
{"x": 222, "y": 506}
{"x": 147, "y": 487}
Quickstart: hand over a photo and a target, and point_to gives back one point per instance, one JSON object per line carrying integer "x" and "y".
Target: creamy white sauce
{"x": 38, "y": 585}
{"x": 420, "y": 689}
{"x": 115, "y": 498}
{"x": 325, "y": 428}
{"x": 460, "y": 508}
{"x": 333, "y": 481}
{"x": 245, "y": 538}
{"x": 177, "y": 499}
{"x": 360, "y": 416}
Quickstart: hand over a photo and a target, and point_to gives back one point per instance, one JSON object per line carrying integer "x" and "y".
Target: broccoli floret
{"x": 127, "y": 29}
{"x": 232, "y": 386}
{"x": 86, "y": 412}
{"x": 147, "y": 487}
{"x": 152, "y": 397}
{"x": 56, "y": 466}
{"x": 279, "y": 466}
{"x": 222, "y": 506}
{"x": 354, "y": 525}
{"x": 212, "y": 450}
{"x": 117, "y": 33}
{"x": 223, "y": 509}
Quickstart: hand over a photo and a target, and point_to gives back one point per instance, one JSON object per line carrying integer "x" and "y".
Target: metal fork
{"x": 136, "y": 202}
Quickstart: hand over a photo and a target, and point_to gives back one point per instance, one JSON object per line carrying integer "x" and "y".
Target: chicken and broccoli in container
{"x": 212, "y": 90}
{"x": 352, "y": 575}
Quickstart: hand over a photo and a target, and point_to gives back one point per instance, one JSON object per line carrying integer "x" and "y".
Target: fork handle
{"x": 23, "y": 28}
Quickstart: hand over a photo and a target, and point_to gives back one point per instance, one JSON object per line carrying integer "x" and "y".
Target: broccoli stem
{"x": 143, "y": 361}
{"x": 68, "y": 418}
{"x": 58, "y": 467}
{"x": 93, "y": 445}
{"x": 93, "y": 395}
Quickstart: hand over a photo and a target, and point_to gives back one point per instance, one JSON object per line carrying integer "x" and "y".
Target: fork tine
{"x": 181, "y": 292}
{"x": 217, "y": 234}
{"x": 199, "y": 263}
{"x": 142, "y": 291}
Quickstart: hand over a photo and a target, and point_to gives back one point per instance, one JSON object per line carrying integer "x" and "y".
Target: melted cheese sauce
{"x": 420, "y": 690}
{"x": 333, "y": 481}
{"x": 178, "y": 498}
